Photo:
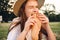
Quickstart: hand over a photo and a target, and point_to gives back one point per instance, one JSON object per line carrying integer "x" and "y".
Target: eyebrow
{"x": 33, "y": 6}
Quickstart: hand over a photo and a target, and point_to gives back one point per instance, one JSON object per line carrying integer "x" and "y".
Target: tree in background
{"x": 49, "y": 10}
{"x": 3, "y": 11}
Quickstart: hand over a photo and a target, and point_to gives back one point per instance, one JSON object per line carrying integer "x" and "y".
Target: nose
{"x": 36, "y": 10}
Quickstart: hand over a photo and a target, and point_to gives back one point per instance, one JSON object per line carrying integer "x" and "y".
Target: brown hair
{"x": 23, "y": 16}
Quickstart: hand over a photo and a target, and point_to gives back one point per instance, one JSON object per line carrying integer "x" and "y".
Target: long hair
{"x": 24, "y": 18}
{"x": 22, "y": 14}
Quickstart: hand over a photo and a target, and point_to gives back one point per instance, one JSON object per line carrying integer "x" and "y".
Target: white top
{"x": 15, "y": 32}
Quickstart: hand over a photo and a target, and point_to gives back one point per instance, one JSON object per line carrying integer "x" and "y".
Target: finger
{"x": 41, "y": 18}
{"x": 31, "y": 17}
{"x": 39, "y": 14}
{"x": 31, "y": 24}
{"x": 43, "y": 22}
{"x": 33, "y": 21}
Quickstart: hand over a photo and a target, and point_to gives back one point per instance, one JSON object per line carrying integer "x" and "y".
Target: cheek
{"x": 28, "y": 12}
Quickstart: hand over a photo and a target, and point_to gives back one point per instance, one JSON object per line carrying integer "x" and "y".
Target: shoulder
{"x": 12, "y": 35}
{"x": 15, "y": 22}
{"x": 17, "y": 19}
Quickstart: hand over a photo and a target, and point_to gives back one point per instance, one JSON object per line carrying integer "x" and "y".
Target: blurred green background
{"x": 4, "y": 30}
{"x": 6, "y": 16}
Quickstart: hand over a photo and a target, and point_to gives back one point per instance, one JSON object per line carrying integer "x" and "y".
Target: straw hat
{"x": 20, "y": 2}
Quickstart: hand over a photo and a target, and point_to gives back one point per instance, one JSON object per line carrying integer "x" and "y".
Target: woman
{"x": 29, "y": 23}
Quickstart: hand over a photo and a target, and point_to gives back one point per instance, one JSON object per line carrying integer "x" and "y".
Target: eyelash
{"x": 32, "y": 7}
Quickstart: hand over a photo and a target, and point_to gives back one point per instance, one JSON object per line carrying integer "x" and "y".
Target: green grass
{"x": 56, "y": 29}
{"x": 55, "y": 26}
{"x": 4, "y": 30}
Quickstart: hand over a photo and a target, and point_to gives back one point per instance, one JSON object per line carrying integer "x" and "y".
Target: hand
{"x": 44, "y": 20}
{"x": 34, "y": 24}
{"x": 29, "y": 23}
{"x": 45, "y": 24}
{"x": 36, "y": 28}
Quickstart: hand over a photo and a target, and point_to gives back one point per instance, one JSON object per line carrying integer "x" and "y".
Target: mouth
{"x": 31, "y": 14}
{"x": 34, "y": 15}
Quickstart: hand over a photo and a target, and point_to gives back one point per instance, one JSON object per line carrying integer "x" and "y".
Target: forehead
{"x": 31, "y": 3}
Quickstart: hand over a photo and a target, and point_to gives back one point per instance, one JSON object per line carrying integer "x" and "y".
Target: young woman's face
{"x": 31, "y": 8}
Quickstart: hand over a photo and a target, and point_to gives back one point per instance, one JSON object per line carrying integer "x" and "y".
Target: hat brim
{"x": 20, "y": 2}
